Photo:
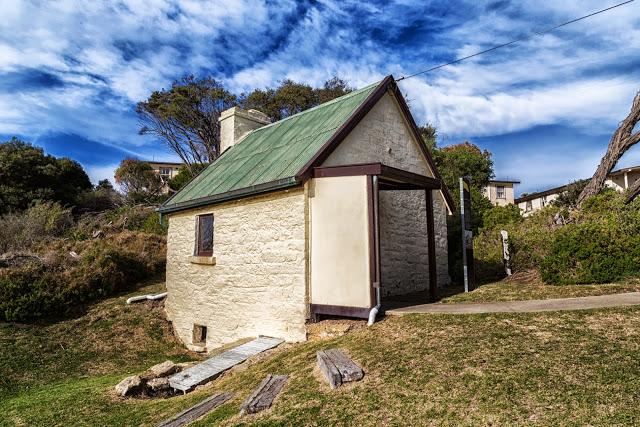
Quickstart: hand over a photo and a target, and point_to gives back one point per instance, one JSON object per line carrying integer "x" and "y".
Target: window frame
{"x": 198, "y": 249}
{"x": 504, "y": 192}
{"x": 528, "y": 206}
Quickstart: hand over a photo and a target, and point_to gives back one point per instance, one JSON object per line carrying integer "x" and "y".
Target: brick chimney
{"x": 235, "y": 123}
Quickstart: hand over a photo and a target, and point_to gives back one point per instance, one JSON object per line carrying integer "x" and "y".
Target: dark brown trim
{"x": 388, "y": 83}
{"x": 416, "y": 134}
{"x": 405, "y": 177}
{"x": 340, "y": 310}
{"x": 388, "y": 174}
{"x": 348, "y": 170}
{"x": 431, "y": 246}
{"x": 373, "y": 265}
{"x": 323, "y": 153}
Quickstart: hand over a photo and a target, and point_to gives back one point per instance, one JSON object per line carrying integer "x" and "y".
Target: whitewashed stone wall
{"x": 383, "y": 136}
{"x": 257, "y": 286}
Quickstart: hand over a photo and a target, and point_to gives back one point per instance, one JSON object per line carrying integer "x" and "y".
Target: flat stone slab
{"x": 263, "y": 396}
{"x": 531, "y": 306}
{"x": 191, "y": 414}
{"x": 208, "y": 370}
{"x": 337, "y": 368}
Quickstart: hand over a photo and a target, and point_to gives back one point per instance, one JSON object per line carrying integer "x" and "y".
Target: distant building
{"x": 500, "y": 192}
{"x": 620, "y": 180}
{"x": 166, "y": 170}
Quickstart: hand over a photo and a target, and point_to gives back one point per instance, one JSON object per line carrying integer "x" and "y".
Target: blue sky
{"x": 71, "y": 72}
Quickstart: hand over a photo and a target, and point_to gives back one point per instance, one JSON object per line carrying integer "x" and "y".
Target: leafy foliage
{"x": 138, "y": 180}
{"x": 59, "y": 286}
{"x": 185, "y": 117}
{"x": 498, "y": 216}
{"x": 185, "y": 175}
{"x": 465, "y": 159}
{"x": 27, "y": 174}
{"x": 569, "y": 197}
{"x": 291, "y": 98}
{"x": 21, "y": 231}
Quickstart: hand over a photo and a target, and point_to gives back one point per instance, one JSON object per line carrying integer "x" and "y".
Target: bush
{"x": 599, "y": 244}
{"x": 21, "y": 231}
{"x": 61, "y": 287}
{"x": 603, "y": 246}
{"x": 500, "y": 216}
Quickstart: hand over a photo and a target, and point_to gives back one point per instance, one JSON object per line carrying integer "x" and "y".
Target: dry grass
{"x": 566, "y": 368}
{"x": 528, "y": 286}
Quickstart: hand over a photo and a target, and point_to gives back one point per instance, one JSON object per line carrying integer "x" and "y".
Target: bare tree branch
{"x": 623, "y": 139}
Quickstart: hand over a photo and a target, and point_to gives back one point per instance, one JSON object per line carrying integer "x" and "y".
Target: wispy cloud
{"x": 78, "y": 68}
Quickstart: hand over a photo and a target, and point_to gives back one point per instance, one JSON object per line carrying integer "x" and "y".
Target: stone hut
{"x": 326, "y": 212}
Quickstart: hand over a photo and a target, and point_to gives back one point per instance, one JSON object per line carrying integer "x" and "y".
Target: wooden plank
{"x": 263, "y": 396}
{"x": 329, "y": 370}
{"x": 211, "y": 368}
{"x": 192, "y": 414}
{"x": 349, "y": 370}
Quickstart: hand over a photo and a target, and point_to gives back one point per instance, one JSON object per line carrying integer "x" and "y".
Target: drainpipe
{"x": 376, "y": 227}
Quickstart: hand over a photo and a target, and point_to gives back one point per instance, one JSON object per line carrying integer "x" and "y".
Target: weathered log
{"x": 329, "y": 370}
{"x": 263, "y": 396}
{"x": 190, "y": 415}
{"x": 623, "y": 139}
{"x": 349, "y": 371}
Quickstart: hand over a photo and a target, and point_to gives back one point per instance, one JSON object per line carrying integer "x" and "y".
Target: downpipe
{"x": 376, "y": 232}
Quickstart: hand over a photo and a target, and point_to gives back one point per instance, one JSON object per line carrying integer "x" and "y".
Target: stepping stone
{"x": 208, "y": 370}
{"x": 337, "y": 368}
{"x": 192, "y": 414}
{"x": 263, "y": 396}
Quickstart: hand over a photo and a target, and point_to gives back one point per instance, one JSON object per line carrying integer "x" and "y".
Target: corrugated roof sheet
{"x": 273, "y": 153}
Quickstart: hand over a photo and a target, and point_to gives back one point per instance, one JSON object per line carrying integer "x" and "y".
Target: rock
{"x": 164, "y": 369}
{"x": 129, "y": 386}
{"x": 158, "y": 385}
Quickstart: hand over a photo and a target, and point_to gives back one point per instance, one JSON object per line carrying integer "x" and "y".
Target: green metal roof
{"x": 270, "y": 156}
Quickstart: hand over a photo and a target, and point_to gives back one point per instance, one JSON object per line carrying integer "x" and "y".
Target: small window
{"x": 529, "y": 207}
{"x": 199, "y": 335}
{"x": 544, "y": 201}
{"x": 165, "y": 173}
{"x": 500, "y": 192}
{"x": 204, "y": 235}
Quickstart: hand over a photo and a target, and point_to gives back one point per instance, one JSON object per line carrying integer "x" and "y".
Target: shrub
{"x": 61, "y": 287}
{"x": 500, "y": 216}
{"x": 20, "y": 231}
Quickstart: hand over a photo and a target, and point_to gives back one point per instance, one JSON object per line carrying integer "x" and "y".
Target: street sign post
{"x": 467, "y": 235}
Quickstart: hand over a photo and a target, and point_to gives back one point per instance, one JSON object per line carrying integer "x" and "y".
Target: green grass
{"x": 566, "y": 368}
{"x": 518, "y": 290}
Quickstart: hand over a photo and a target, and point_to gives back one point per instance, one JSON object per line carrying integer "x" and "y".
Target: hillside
{"x": 439, "y": 370}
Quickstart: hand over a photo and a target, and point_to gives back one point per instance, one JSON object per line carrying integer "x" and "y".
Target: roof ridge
{"x": 317, "y": 107}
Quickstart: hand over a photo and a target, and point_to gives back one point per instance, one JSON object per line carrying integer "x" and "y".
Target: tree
{"x": 138, "y": 180}
{"x": 464, "y": 160}
{"x": 429, "y": 135}
{"x": 185, "y": 118}
{"x": 291, "y": 98}
{"x": 623, "y": 138}
{"x": 569, "y": 197}
{"x": 183, "y": 176}
{"x": 28, "y": 174}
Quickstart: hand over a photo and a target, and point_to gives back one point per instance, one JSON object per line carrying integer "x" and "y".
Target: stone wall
{"x": 256, "y": 287}
{"x": 384, "y": 136}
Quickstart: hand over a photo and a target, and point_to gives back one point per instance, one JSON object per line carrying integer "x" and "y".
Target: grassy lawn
{"x": 568, "y": 368}
{"x": 529, "y": 286}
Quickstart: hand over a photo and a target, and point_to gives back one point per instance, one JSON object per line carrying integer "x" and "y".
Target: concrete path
{"x": 531, "y": 306}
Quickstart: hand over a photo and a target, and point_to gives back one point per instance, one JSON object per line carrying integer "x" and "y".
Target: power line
{"x": 528, "y": 36}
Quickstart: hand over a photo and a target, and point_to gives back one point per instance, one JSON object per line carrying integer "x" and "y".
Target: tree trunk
{"x": 622, "y": 139}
